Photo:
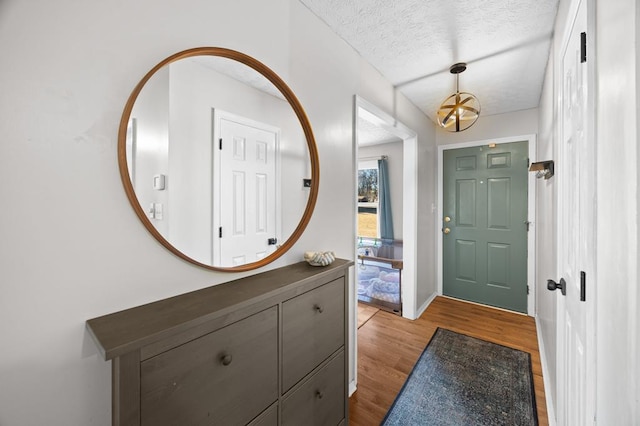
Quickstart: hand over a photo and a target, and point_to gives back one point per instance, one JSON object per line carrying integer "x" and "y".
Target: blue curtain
{"x": 384, "y": 201}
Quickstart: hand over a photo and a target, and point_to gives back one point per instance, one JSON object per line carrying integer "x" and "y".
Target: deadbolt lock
{"x": 447, "y": 219}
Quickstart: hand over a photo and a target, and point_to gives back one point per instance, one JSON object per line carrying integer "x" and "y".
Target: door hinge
{"x": 220, "y": 144}
{"x": 220, "y": 232}
{"x": 528, "y": 290}
{"x": 583, "y": 47}
{"x": 528, "y": 163}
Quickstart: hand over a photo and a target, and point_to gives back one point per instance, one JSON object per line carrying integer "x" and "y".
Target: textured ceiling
{"x": 238, "y": 71}
{"x": 414, "y": 42}
{"x": 372, "y": 134}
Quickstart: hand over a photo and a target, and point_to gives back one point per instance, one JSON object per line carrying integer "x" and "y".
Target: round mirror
{"x": 218, "y": 159}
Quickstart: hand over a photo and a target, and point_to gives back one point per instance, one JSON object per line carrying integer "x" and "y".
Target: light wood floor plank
{"x": 389, "y": 346}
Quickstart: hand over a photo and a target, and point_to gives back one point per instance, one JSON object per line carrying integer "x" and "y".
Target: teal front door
{"x": 485, "y": 225}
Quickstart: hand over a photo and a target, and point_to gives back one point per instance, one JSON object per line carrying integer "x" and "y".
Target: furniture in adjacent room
{"x": 269, "y": 349}
{"x": 379, "y": 274}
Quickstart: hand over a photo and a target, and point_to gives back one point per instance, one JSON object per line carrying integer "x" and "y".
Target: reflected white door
{"x": 576, "y": 232}
{"x": 244, "y": 190}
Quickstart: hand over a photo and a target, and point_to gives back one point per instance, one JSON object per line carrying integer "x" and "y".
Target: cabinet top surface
{"x": 131, "y": 329}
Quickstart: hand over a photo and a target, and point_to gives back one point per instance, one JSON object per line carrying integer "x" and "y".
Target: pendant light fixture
{"x": 459, "y": 111}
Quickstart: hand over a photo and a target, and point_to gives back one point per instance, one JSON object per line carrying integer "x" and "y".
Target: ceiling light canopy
{"x": 459, "y": 111}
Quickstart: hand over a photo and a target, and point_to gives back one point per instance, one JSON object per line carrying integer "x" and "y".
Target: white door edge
{"x": 591, "y": 306}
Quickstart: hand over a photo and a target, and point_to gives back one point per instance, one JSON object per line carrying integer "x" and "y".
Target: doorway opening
{"x": 379, "y": 245}
{"x": 378, "y": 119}
{"x": 499, "y": 250}
{"x": 485, "y": 227}
{"x": 386, "y": 222}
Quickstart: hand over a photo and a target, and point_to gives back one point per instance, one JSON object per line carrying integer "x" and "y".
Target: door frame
{"x": 409, "y": 198}
{"x": 409, "y": 225}
{"x": 531, "y": 210}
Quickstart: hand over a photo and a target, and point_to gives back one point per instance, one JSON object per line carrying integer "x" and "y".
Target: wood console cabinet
{"x": 270, "y": 349}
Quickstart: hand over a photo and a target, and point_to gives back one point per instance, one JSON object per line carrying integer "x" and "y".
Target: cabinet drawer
{"x": 313, "y": 329}
{"x": 320, "y": 400}
{"x": 225, "y": 377}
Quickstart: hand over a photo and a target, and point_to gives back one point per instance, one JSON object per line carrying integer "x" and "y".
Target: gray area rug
{"x": 461, "y": 380}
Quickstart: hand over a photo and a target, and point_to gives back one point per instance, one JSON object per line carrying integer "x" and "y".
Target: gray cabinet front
{"x": 268, "y": 418}
{"x": 313, "y": 329}
{"x": 318, "y": 401}
{"x": 225, "y": 377}
{"x": 262, "y": 350}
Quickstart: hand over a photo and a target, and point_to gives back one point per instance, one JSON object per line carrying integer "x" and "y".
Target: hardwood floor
{"x": 365, "y": 312}
{"x": 389, "y": 346}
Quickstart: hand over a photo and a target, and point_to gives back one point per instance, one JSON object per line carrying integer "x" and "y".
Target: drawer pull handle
{"x": 226, "y": 359}
{"x": 319, "y": 394}
{"x": 318, "y": 308}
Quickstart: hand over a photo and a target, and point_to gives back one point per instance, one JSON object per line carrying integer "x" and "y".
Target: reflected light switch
{"x": 155, "y": 211}
{"x": 158, "y": 211}
{"x": 159, "y": 182}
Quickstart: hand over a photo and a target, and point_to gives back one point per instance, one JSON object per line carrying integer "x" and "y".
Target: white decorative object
{"x": 319, "y": 258}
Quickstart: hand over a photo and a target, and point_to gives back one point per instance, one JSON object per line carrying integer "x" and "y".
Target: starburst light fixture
{"x": 459, "y": 111}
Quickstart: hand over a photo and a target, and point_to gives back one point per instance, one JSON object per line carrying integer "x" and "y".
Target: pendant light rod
{"x": 456, "y": 69}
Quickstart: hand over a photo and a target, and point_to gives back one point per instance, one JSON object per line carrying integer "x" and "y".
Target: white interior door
{"x": 576, "y": 231}
{"x": 245, "y": 190}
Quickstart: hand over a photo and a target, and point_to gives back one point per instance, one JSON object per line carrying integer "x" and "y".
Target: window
{"x": 368, "y": 199}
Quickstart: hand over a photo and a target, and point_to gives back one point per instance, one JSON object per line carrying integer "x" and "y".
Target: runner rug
{"x": 461, "y": 380}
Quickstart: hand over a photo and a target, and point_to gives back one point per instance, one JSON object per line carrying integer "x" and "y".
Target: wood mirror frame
{"x": 295, "y": 105}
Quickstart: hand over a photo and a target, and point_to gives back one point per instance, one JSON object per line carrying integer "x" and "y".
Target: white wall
{"x": 618, "y": 299}
{"x": 394, "y": 152}
{"x": 546, "y": 213}
{"x": 524, "y": 122}
{"x": 637, "y": 349}
{"x": 151, "y": 136}
{"x": 617, "y": 212}
{"x": 494, "y": 127}
{"x": 72, "y": 248}
{"x": 195, "y": 91}
{"x": 545, "y": 228}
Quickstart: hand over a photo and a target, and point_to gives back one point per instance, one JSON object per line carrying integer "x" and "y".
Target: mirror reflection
{"x": 217, "y": 159}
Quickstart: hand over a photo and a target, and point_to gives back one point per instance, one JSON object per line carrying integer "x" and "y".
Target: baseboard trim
{"x": 425, "y": 305}
{"x": 551, "y": 412}
{"x": 353, "y": 388}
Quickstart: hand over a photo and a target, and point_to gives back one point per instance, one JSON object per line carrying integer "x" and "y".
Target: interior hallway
{"x": 389, "y": 346}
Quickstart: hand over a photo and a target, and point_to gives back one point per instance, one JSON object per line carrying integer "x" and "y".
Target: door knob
{"x": 446, "y": 230}
{"x": 562, "y": 285}
{"x": 447, "y": 219}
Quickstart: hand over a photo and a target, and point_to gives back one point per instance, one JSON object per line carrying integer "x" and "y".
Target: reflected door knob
{"x": 446, "y": 230}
